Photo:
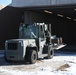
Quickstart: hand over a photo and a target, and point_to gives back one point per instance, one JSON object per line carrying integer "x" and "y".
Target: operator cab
{"x": 31, "y": 31}
{"x": 28, "y": 31}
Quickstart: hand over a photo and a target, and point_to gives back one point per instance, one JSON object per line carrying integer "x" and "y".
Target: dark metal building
{"x": 60, "y": 13}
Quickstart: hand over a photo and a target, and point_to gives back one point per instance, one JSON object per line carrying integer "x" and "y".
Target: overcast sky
{"x": 5, "y": 2}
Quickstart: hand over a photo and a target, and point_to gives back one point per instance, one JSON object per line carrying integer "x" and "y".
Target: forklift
{"x": 34, "y": 42}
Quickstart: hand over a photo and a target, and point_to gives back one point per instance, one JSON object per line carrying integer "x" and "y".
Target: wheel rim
{"x": 34, "y": 57}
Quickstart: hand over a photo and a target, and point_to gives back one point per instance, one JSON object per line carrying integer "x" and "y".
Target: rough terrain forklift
{"x": 34, "y": 42}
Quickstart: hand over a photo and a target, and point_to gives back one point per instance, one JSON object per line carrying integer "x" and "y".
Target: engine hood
{"x": 31, "y": 42}
{"x": 19, "y": 39}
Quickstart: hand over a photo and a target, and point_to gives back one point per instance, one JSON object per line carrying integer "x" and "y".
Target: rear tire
{"x": 32, "y": 56}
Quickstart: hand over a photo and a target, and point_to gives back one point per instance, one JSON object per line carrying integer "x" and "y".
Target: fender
{"x": 28, "y": 48}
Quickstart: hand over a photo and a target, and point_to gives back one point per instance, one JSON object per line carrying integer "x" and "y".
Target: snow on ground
{"x": 61, "y": 64}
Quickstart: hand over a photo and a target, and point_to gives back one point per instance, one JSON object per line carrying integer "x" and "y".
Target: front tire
{"x": 50, "y": 52}
{"x": 32, "y": 56}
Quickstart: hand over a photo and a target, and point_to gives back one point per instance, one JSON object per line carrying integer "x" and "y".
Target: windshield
{"x": 28, "y": 32}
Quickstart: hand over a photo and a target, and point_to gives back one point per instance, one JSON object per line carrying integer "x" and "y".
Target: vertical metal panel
{"x": 31, "y": 17}
{"x": 65, "y": 1}
{"x": 74, "y": 1}
{"x": 10, "y": 18}
{"x": 53, "y": 2}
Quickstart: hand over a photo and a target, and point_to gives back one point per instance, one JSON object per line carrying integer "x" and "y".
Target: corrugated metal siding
{"x": 28, "y": 3}
{"x": 34, "y": 3}
{"x": 59, "y": 2}
{"x": 53, "y": 2}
